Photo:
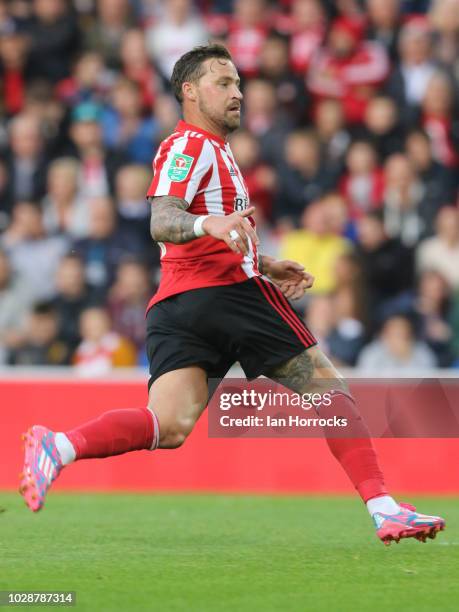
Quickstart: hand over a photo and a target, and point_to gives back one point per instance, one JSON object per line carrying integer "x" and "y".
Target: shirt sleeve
{"x": 180, "y": 167}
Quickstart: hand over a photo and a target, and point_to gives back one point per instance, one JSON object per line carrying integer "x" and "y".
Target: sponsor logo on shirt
{"x": 240, "y": 203}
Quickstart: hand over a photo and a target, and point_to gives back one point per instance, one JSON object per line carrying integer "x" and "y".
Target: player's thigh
{"x": 309, "y": 371}
{"x": 178, "y": 399}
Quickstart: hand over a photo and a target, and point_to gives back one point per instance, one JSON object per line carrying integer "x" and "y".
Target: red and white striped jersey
{"x": 199, "y": 167}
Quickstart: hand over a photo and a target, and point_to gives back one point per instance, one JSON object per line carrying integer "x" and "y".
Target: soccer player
{"x": 219, "y": 301}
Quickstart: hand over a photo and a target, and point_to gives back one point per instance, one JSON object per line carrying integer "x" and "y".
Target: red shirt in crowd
{"x": 351, "y": 79}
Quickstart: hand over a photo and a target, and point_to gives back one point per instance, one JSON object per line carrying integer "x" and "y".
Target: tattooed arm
{"x": 171, "y": 223}
{"x": 169, "y": 220}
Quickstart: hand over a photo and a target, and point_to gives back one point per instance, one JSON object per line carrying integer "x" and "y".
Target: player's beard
{"x": 225, "y": 121}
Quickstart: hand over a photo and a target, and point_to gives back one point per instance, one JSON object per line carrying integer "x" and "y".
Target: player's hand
{"x": 234, "y": 229}
{"x": 290, "y": 277}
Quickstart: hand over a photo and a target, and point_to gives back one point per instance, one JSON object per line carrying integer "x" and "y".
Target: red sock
{"x": 114, "y": 433}
{"x": 355, "y": 452}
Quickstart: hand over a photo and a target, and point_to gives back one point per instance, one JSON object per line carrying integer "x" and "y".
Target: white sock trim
{"x": 155, "y": 443}
{"x": 65, "y": 448}
{"x": 384, "y": 504}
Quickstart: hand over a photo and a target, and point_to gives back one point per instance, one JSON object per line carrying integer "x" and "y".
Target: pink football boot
{"x": 42, "y": 465}
{"x": 406, "y": 524}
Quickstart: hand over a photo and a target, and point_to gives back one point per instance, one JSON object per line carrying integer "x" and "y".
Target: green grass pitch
{"x": 208, "y": 553}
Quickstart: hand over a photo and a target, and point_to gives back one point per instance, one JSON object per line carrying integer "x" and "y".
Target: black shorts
{"x": 214, "y": 327}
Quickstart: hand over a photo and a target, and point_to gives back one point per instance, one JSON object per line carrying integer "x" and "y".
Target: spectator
{"x": 14, "y": 69}
{"x": 333, "y": 135}
{"x": 338, "y": 216}
{"x": 101, "y": 349}
{"x": 136, "y": 66}
{"x": 105, "y": 246}
{"x": 64, "y": 210}
{"x": 177, "y": 31}
{"x": 114, "y": 18}
{"x": 44, "y": 107}
{"x": 72, "y": 297}
{"x": 262, "y": 119}
{"x": 41, "y": 345}
{"x": 432, "y": 308}
{"x": 350, "y": 305}
{"x": 98, "y": 166}
{"x": 302, "y": 177}
{"x": 441, "y": 252}
{"x": 384, "y": 24}
{"x": 26, "y": 243}
{"x": 133, "y": 208}
{"x": 396, "y": 351}
{"x": 348, "y": 69}
{"x": 332, "y": 317}
{"x": 408, "y": 215}
{"x": 55, "y": 39}
{"x": 290, "y": 89}
{"x": 349, "y": 273}
{"x": 410, "y": 76}
{"x": 248, "y": 29}
{"x": 438, "y": 181}
{"x": 438, "y": 120}
{"x": 382, "y": 127}
{"x": 124, "y": 129}
{"x": 7, "y": 23}
{"x": 388, "y": 283}
{"x": 307, "y": 33}
{"x": 14, "y": 307}
{"x": 347, "y": 336}
{"x": 89, "y": 81}
{"x": 259, "y": 177}
{"x": 315, "y": 246}
{"x": 444, "y": 20}
{"x": 26, "y": 160}
{"x": 128, "y": 301}
{"x": 363, "y": 184}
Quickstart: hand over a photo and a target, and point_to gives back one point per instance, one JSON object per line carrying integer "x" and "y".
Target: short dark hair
{"x": 189, "y": 66}
{"x": 45, "y": 308}
{"x": 418, "y": 131}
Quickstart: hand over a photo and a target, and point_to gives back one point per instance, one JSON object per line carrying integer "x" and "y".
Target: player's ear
{"x": 189, "y": 91}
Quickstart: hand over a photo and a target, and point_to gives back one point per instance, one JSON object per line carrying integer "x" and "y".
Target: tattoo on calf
{"x": 169, "y": 220}
{"x": 309, "y": 371}
{"x": 296, "y": 373}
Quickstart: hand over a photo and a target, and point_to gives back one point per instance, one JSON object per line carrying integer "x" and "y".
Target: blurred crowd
{"x": 349, "y": 146}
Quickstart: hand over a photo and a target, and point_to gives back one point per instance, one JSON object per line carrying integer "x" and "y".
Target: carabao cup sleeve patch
{"x": 179, "y": 167}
